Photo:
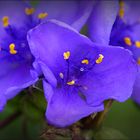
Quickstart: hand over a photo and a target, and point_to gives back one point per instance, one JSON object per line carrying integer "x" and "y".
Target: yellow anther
{"x": 127, "y": 41}
{"x": 61, "y": 75}
{"x": 42, "y": 15}
{"x": 66, "y": 55}
{"x": 71, "y": 83}
{"x": 138, "y": 61}
{"x": 12, "y": 48}
{"x": 29, "y": 11}
{"x": 100, "y": 59}
{"x": 137, "y": 44}
{"x": 85, "y": 61}
{"x": 5, "y": 21}
{"x": 121, "y": 12}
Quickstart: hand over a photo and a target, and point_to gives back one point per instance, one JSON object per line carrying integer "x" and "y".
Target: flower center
{"x": 16, "y": 47}
{"x": 71, "y": 76}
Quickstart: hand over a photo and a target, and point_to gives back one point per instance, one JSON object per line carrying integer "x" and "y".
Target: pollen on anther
{"x": 12, "y": 48}
{"x": 137, "y": 44}
{"x": 42, "y": 15}
{"x": 121, "y": 10}
{"x": 85, "y": 61}
{"x": 66, "y": 55}
{"x": 138, "y": 61}
{"x": 127, "y": 41}
{"x": 61, "y": 75}
{"x": 100, "y": 59}
{"x": 5, "y": 21}
{"x": 71, "y": 83}
{"x": 29, "y": 11}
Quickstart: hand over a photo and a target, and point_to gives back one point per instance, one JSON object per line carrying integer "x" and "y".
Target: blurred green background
{"x": 124, "y": 117}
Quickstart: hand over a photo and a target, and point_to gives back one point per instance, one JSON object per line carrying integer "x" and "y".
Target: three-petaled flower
{"x": 16, "y": 19}
{"x": 79, "y": 74}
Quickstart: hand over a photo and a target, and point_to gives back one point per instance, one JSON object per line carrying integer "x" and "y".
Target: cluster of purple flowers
{"x": 79, "y": 72}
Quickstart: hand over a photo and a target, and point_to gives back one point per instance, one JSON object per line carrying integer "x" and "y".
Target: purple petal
{"x": 48, "y": 74}
{"x": 61, "y": 39}
{"x": 15, "y": 80}
{"x": 72, "y": 12}
{"x": 136, "y": 90}
{"x": 66, "y": 107}
{"x": 131, "y": 11}
{"x": 111, "y": 79}
{"x": 101, "y": 21}
{"x": 2, "y": 102}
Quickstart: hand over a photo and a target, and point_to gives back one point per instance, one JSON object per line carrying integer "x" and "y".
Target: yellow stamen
{"x": 138, "y": 61}
{"x": 137, "y": 44}
{"x": 12, "y": 48}
{"x": 85, "y": 61}
{"x": 42, "y": 15}
{"x": 61, "y": 75}
{"x": 29, "y": 11}
{"x": 5, "y": 21}
{"x": 127, "y": 41}
{"x": 71, "y": 82}
{"x": 100, "y": 59}
{"x": 121, "y": 12}
{"x": 66, "y": 55}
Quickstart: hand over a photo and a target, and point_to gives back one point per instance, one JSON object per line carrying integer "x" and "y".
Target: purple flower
{"x": 79, "y": 74}
{"x": 101, "y": 20}
{"x": 126, "y": 33}
{"x": 15, "y": 57}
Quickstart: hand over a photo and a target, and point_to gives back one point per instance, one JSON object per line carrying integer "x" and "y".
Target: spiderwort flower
{"x": 15, "y": 57}
{"x": 79, "y": 74}
{"x": 126, "y": 33}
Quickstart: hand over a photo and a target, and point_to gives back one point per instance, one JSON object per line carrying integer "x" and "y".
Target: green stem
{"x": 9, "y": 119}
{"x": 101, "y": 115}
{"x": 96, "y": 119}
